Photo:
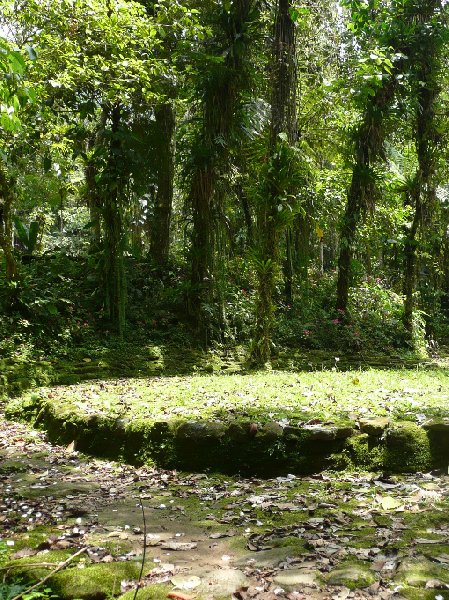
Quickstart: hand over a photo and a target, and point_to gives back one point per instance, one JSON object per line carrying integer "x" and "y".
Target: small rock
{"x": 292, "y": 578}
{"x": 186, "y": 582}
{"x": 223, "y": 582}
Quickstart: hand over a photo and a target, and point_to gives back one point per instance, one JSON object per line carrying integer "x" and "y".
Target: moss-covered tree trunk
{"x": 6, "y": 227}
{"x": 220, "y": 103}
{"x": 423, "y": 194}
{"x": 283, "y": 109}
{"x": 369, "y": 141}
{"x": 165, "y": 156}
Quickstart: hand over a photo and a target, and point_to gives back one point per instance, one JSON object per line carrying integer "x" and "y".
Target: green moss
{"x": 94, "y": 582}
{"x": 382, "y": 520}
{"x": 413, "y": 593}
{"x": 351, "y": 574}
{"x": 363, "y": 452}
{"x": 29, "y": 570}
{"x": 34, "y": 538}
{"x": 407, "y": 449}
{"x": 297, "y": 545}
{"x": 416, "y": 572}
{"x": 429, "y": 518}
{"x": 152, "y": 592}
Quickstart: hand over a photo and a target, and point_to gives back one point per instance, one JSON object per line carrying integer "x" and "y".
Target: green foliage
{"x": 375, "y": 323}
{"x": 28, "y": 236}
{"x": 14, "y": 95}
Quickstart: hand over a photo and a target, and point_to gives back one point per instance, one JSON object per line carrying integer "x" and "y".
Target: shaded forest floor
{"x": 331, "y": 536}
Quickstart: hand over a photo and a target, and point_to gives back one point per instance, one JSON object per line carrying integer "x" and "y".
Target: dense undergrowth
{"x": 54, "y": 311}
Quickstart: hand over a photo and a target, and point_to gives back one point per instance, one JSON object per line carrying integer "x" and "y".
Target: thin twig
{"x": 28, "y": 566}
{"x": 144, "y": 548}
{"x": 59, "y": 568}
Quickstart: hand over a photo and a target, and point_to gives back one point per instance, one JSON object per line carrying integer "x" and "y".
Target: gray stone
{"x": 293, "y": 432}
{"x": 343, "y": 432}
{"x": 238, "y": 432}
{"x": 222, "y": 582}
{"x": 266, "y": 558}
{"x": 296, "y": 578}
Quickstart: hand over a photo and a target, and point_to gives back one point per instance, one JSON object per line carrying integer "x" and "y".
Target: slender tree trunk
{"x": 247, "y": 216}
{"x": 202, "y": 191}
{"x": 93, "y": 198}
{"x": 115, "y": 283}
{"x": 6, "y": 227}
{"x": 410, "y": 262}
{"x": 351, "y": 220}
{"x": 302, "y": 227}
{"x": 160, "y": 239}
{"x": 288, "y": 267}
{"x": 93, "y": 192}
{"x": 424, "y": 189}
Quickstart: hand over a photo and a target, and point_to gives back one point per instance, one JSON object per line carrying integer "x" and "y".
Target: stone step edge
{"x": 245, "y": 447}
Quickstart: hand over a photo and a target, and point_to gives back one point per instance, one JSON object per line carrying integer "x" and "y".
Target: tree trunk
{"x": 424, "y": 191}
{"x": 93, "y": 192}
{"x": 115, "y": 284}
{"x": 220, "y": 100}
{"x": 369, "y": 148}
{"x": 6, "y": 227}
{"x": 283, "y": 120}
{"x": 410, "y": 247}
{"x": 202, "y": 191}
{"x": 93, "y": 198}
{"x": 302, "y": 227}
{"x": 165, "y": 154}
{"x": 288, "y": 267}
{"x": 351, "y": 220}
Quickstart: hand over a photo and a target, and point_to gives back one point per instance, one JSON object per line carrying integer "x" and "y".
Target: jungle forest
{"x": 224, "y": 299}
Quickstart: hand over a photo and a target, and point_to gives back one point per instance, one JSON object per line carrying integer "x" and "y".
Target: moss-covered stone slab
{"x": 352, "y": 576}
{"x": 437, "y": 425}
{"x": 195, "y": 431}
{"x": 374, "y": 427}
{"x": 150, "y": 592}
{"x": 407, "y": 448}
{"x": 249, "y": 447}
{"x": 418, "y": 572}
